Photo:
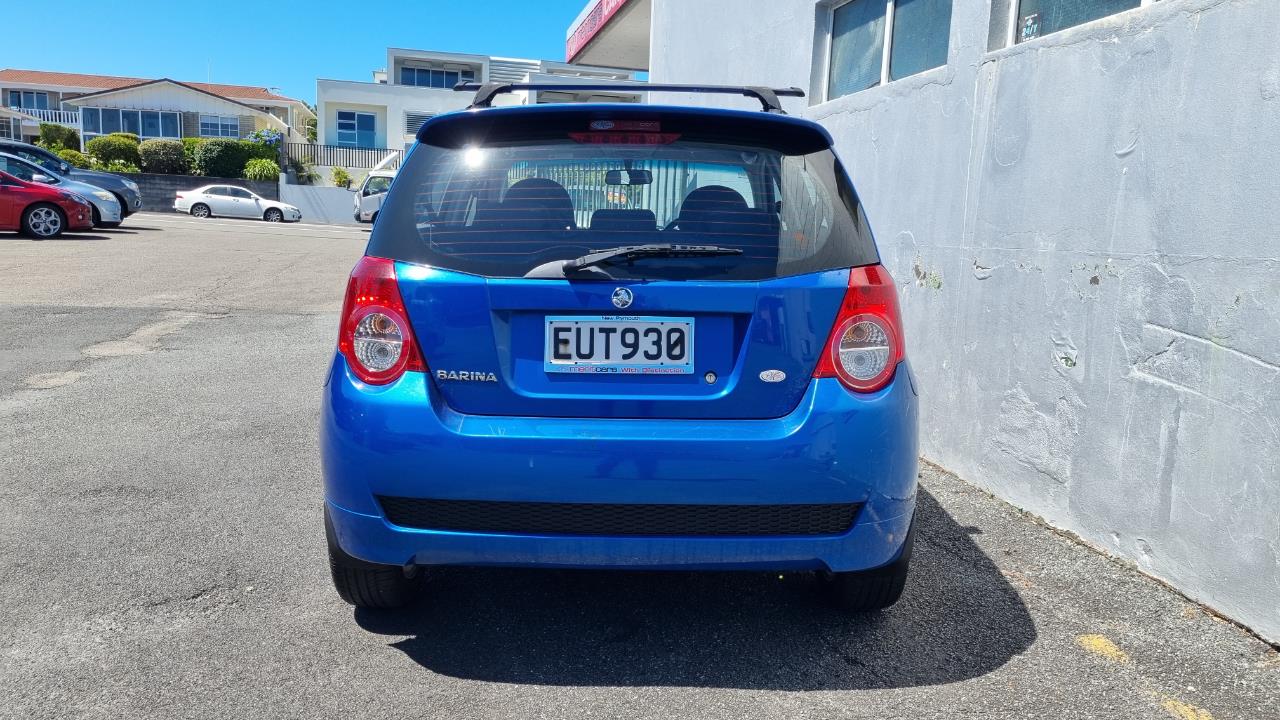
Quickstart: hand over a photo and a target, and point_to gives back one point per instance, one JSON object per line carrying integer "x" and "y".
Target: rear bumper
{"x": 835, "y": 447}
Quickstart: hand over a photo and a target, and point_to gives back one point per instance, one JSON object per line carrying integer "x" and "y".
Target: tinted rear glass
{"x": 503, "y": 205}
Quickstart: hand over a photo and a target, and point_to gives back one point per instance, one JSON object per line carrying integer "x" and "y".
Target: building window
{"x": 219, "y": 126}
{"x": 356, "y": 129}
{"x": 146, "y": 124}
{"x": 921, "y": 36}
{"x": 130, "y": 121}
{"x": 435, "y": 77}
{"x": 876, "y": 41}
{"x": 1041, "y": 17}
{"x": 29, "y": 100}
{"x": 6, "y": 128}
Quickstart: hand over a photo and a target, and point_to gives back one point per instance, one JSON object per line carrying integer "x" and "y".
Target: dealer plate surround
{"x": 618, "y": 344}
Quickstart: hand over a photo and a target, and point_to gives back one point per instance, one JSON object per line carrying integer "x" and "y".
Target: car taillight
{"x": 375, "y": 336}
{"x": 866, "y": 342}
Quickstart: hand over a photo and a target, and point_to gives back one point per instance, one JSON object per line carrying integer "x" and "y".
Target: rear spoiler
{"x": 768, "y": 97}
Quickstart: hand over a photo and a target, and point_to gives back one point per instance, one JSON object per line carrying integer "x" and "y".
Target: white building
{"x": 162, "y": 108}
{"x": 386, "y": 111}
{"x": 1078, "y": 200}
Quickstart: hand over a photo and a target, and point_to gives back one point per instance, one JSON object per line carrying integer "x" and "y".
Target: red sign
{"x": 591, "y": 24}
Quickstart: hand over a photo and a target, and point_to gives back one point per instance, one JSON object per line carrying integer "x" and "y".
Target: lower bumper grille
{"x": 538, "y": 518}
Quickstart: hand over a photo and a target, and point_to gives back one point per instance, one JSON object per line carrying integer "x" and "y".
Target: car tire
{"x": 875, "y": 589}
{"x": 273, "y": 215}
{"x": 95, "y": 216}
{"x": 200, "y": 210}
{"x": 365, "y": 584}
{"x": 43, "y": 221}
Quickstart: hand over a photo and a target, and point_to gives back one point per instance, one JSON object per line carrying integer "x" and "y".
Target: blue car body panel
{"x": 465, "y": 322}
{"x": 721, "y": 435}
{"x": 835, "y": 446}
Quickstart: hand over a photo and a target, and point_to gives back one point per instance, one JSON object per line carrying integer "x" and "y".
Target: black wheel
{"x": 366, "y": 584}
{"x": 273, "y": 215}
{"x": 875, "y": 589}
{"x": 97, "y": 216}
{"x": 200, "y": 210}
{"x": 42, "y": 221}
{"x": 374, "y": 218}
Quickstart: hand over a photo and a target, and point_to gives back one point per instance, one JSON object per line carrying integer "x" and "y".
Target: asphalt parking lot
{"x": 161, "y": 547}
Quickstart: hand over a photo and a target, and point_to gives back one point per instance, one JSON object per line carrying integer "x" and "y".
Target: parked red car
{"x": 40, "y": 211}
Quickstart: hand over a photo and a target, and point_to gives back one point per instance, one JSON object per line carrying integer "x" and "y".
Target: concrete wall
{"x": 1084, "y": 230}
{"x": 158, "y": 190}
{"x": 328, "y": 205}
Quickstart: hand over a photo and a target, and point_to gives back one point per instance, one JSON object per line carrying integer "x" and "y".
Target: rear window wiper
{"x": 627, "y": 253}
{"x": 631, "y": 252}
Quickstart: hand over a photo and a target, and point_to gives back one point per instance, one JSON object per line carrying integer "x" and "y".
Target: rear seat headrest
{"x": 624, "y": 220}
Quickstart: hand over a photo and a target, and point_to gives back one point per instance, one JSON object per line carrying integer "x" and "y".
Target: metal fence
{"x": 342, "y": 156}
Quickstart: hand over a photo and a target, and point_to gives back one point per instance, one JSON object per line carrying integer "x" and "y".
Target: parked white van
{"x": 371, "y": 193}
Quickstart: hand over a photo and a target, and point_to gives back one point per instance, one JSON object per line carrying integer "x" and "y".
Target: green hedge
{"x": 74, "y": 157}
{"x": 219, "y": 157}
{"x": 224, "y": 157}
{"x": 163, "y": 156}
{"x": 116, "y": 146}
{"x": 53, "y": 137}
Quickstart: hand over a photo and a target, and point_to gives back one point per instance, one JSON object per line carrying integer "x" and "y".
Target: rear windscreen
{"x": 500, "y": 209}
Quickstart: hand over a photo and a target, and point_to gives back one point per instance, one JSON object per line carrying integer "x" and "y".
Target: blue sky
{"x": 281, "y": 44}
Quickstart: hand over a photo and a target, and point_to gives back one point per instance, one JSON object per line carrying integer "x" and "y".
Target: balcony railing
{"x": 347, "y": 157}
{"x": 70, "y": 118}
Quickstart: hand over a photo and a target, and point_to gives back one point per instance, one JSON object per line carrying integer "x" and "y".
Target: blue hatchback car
{"x": 620, "y": 336}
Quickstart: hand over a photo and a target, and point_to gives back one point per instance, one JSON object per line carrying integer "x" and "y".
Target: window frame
{"x": 222, "y": 125}
{"x": 97, "y": 113}
{"x": 1015, "y": 14}
{"x": 21, "y": 103}
{"x": 355, "y": 128}
{"x": 886, "y": 46}
{"x": 461, "y": 74}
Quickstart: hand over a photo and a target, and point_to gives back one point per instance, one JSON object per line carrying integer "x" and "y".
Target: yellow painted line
{"x": 1184, "y": 711}
{"x": 1102, "y": 646}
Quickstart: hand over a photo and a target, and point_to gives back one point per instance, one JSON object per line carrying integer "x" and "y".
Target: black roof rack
{"x": 768, "y": 97}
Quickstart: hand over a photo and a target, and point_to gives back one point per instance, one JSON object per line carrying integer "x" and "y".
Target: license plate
{"x": 620, "y": 344}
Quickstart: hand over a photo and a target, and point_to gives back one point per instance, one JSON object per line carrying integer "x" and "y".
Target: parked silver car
{"x": 233, "y": 201}
{"x": 106, "y": 209}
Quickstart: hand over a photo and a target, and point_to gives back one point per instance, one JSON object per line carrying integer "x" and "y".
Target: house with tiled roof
{"x": 151, "y": 108}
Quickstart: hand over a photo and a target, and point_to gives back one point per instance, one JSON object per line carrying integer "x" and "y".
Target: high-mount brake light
{"x": 375, "y": 336}
{"x": 866, "y": 342}
{"x": 624, "y": 138}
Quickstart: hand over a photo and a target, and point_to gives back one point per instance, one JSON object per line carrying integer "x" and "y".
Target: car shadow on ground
{"x": 958, "y": 619}
{"x": 72, "y": 235}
